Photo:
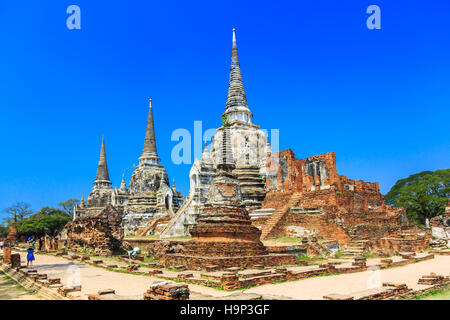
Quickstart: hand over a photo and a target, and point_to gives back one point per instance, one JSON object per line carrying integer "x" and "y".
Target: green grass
{"x": 151, "y": 259}
{"x": 370, "y": 255}
{"x": 312, "y": 260}
{"x": 327, "y": 274}
{"x": 286, "y": 239}
{"x": 435, "y": 294}
{"x": 11, "y": 281}
{"x": 302, "y": 258}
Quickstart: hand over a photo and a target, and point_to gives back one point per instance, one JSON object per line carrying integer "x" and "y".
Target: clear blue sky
{"x": 378, "y": 98}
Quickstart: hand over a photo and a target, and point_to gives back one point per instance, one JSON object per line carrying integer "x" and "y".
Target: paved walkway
{"x": 93, "y": 279}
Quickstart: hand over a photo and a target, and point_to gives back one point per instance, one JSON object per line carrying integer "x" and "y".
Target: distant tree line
{"x": 424, "y": 194}
{"x": 46, "y": 220}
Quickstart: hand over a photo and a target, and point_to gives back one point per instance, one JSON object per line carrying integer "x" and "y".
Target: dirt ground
{"x": 93, "y": 279}
{"x": 11, "y": 290}
{"x": 316, "y": 288}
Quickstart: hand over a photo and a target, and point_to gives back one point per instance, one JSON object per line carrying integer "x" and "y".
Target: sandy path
{"x": 93, "y": 278}
{"x": 316, "y": 288}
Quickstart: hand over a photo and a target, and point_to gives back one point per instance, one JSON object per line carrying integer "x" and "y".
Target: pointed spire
{"x": 268, "y": 147}
{"x": 236, "y": 98}
{"x": 149, "y": 150}
{"x": 102, "y": 170}
{"x": 123, "y": 184}
{"x": 163, "y": 180}
{"x": 173, "y": 185}
{"x": 206, "y": 156}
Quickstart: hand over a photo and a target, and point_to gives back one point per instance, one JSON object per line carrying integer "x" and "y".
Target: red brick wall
{"x": 364, "y": 205}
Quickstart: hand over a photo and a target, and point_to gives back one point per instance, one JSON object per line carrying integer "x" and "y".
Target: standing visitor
{"x": 1, "y": 245}
{"x": 30, "y": 256}
{"x": 40, "y": 243}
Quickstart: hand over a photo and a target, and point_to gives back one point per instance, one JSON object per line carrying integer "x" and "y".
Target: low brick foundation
{"x": 199, "y": 263}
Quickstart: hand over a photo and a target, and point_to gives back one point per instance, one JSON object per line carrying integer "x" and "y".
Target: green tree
{"x": 424, "y": 194}
{"x": 3, "y": 231}
{"x": 68, "y": 205}
{"x": 18, "y": 211}
{"x": 49, "y": 211}
{"x": 47, "y": 219}
{"x": 225, "y": 122}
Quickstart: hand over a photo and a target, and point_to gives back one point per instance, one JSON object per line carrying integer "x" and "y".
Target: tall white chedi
{"x": 248, "y": 142}
{"x": 249, "y": 147}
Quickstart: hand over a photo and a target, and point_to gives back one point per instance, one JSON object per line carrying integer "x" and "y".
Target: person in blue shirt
{"x": 30, "y": 256}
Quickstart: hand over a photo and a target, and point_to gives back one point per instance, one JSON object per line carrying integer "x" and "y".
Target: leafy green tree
{"x": 46, "y": 219}
{"x": 49, "y": 211}
{"x": 3, "y": 231}
{"x": 225, "y": 122}
{"x": 68, "y": 205}
{"x": 424, "y": 194}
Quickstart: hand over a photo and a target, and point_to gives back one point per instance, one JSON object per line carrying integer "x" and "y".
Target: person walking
{"x": 30, "y": 256}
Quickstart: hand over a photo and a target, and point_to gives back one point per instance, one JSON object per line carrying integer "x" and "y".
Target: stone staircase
{"x": 149, "y": 228}
{"x": 177, "y": 216}
{"x": 318, "y": 249}
{"x": 269, "y": 229}
{"x": 356, "y": 248}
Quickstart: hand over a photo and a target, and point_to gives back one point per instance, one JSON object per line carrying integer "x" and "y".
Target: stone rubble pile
{"x": 163, "y": 290}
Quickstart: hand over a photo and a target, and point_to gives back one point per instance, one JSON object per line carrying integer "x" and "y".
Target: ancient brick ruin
{"x": 241, "y": 193}
{"x": 96, "y": 232}
{"x": 224, "y": 235}
{"x": 163, "y": 290}
{"x": 309, "y": 198}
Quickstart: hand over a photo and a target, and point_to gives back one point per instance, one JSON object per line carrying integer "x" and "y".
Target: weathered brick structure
{"x": 7, "y": 253}
{"x": 13, "y": 234}
{"x": 163, "y": 290}
{"x": 98, "y": 232}
{"x": 224, "y": 235}
{"x": 309, "y": 197}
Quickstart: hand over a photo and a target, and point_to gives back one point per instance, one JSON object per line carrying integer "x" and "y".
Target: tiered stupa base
{"x": 224, "y": 237}
{"x": 252, "y": 186}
